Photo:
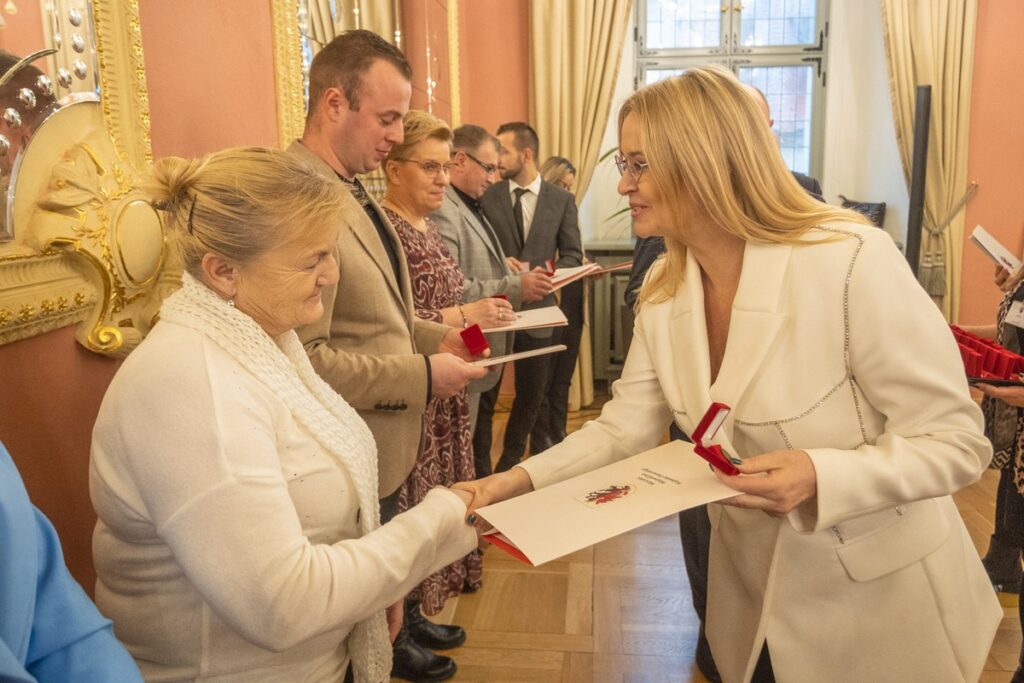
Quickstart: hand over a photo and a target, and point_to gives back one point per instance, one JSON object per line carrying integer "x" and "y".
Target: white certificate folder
{"x": 576, "y": 513}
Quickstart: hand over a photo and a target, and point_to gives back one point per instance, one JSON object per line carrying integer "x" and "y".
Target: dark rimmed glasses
{"x": 488, "y": 168}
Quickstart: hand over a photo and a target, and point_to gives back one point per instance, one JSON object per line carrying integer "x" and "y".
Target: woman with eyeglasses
{"x": 842, "y": 557}
{"x": 417, "y": 176}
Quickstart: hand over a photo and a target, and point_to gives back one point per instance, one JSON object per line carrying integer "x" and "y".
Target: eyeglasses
{"x": 488, "y": 168}
{"x": 431, "y": 168}
{"x": 635, "y": 168}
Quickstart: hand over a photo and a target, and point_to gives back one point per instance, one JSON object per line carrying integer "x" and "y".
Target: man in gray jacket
{"x": 474, "y": 245}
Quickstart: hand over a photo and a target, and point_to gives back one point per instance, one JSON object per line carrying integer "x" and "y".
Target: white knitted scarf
{"x": 282, "y": 365}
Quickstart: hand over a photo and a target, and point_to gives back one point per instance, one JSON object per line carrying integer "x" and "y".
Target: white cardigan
{"x": 227, "y": 546}
{"x": 835, "y": 349}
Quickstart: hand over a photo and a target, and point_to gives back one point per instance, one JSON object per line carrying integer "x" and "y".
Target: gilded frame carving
{"x": 74, "y": 260}
{"x": 291, "y": 104}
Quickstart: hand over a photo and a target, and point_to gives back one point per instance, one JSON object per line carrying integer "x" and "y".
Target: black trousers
{"x": 1009, "y": 519}
{"x": 551, "y": 418}
{"x": 531, "y": 381}
{"x": 483, "y": 433}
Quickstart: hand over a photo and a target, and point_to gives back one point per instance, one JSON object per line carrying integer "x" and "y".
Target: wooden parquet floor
{"x": 621, "y": 612}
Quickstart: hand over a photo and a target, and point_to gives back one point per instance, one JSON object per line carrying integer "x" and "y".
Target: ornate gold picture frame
{"x": 88, "y": 246}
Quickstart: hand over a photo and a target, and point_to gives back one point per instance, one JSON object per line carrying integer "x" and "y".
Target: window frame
{"x": 730, "y": 54}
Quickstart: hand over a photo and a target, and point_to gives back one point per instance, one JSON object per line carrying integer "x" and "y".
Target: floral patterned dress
{"x": 446, "y": 450}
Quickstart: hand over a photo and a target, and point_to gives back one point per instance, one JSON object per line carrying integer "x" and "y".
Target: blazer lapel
{"x": 365, "y": 231}
{"x": 540, "y": 213}
{"x": 401, "y": 287}
{"x": 689, "y": 329}
{"x": 755, "y": 322}
{"x": 757, "y": 316}
{"x": 483, "y": 232}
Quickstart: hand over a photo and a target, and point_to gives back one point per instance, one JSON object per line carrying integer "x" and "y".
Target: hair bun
{"x": 172, "y": 186}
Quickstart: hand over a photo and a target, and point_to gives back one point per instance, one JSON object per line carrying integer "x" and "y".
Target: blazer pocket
{"x": 909, "y": 534}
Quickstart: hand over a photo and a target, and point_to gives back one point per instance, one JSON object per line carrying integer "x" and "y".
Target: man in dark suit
{"x": 694, "y": 526}
{"x": 535, "y": 222}
{"x": 472, "y": 243}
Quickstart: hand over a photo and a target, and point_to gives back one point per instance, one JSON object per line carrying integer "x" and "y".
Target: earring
{"x": 231, "y": 303}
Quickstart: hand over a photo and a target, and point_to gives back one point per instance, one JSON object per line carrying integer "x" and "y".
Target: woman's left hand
{"x": 1012, "y": 395}
{"x": 776, "y": 483}
{"x": 395, "y": 615}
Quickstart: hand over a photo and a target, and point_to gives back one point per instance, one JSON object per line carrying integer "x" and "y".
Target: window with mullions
{"x": 776, "y": 45}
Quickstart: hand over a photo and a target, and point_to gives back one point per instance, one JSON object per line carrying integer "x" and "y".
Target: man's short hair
{"x": 344, "y": 60}
{"x": 526, "y": 136}
{"x": 470, "y": 138}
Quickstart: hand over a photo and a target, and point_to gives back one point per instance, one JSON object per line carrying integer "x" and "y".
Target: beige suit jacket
{"x": 368, "y": 343}
{"x": 834, "y": 349}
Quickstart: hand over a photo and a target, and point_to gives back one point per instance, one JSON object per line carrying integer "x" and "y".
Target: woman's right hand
{"x": 489, "y": 312}
{"x": 493, "y": 489}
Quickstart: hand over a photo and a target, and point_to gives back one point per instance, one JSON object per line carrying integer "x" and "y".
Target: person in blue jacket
{"x": 49, "y": 629}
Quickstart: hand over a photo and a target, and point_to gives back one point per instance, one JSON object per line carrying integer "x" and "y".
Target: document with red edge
{"x": 577, "y": 513}
{"x": 563, "y": 276}
{"x": 534, "y": 318}
{"x": 485, "y": 362}
{"x": 625, "y": 265}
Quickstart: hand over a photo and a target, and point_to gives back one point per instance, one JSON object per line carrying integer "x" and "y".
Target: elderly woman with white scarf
{"x": 238, "y": 535}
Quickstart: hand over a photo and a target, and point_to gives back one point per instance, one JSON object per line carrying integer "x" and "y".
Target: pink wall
{"x": 210, "y": 72}
{"x": 425, "y": 25}
{"x": 494, "y": 61}
{"x": 24, "y": 32}
{"x": 49, "y": 397}
{"x": 996, "y": 151}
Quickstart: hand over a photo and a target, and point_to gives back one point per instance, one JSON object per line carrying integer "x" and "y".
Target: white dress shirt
{"x": 529, "y": 201}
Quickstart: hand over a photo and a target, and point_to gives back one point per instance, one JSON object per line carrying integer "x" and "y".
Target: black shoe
{"x": 506, "y": 462}
{"x": 705, "y": 661}
{"x": 428, "y": 634}
{"x": 1002, "y": 563}
{"x": 413, "y": 663}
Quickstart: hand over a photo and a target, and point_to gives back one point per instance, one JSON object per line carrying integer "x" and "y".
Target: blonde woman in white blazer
{"x": 843, "y": 557}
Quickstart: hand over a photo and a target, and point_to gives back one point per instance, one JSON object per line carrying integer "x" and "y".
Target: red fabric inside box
{"x": 986, "y": 358}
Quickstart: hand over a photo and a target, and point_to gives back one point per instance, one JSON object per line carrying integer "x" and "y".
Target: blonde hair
{"x": 707, "y": 144}
{"x": 420, "y": 126}
{"x": 240, "y": 203}
{"x": 555, "y": 168}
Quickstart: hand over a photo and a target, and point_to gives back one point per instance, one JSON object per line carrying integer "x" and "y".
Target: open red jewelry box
{"x": 984, "y": 358}
{"x": 706, "y": 429}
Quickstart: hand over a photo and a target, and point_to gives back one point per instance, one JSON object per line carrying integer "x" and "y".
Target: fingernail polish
{"x": 471, "y": 519}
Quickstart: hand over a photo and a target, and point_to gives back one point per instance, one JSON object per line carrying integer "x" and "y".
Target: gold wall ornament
{"x": 122, "y": 73}
{"x": 288, "y": 77}
{"x": 88, "y": 246}
{"x": 78, "y": 209}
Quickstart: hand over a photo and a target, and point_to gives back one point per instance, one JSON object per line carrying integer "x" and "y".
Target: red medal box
{"x": 706, "y": 429}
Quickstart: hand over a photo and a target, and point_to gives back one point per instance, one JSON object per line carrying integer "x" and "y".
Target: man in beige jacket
{"x": 369, "y": 342}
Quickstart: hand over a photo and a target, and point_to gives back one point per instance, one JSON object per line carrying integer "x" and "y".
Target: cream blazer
{"x": 835, "y": 349}
{"x": 367, "y": 345}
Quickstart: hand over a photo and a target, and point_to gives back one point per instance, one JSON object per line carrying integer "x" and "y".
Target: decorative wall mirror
{"x": 79, "y": 241}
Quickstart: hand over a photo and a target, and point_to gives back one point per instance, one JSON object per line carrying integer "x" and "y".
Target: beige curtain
{"x": 575, "y": 49}
{"x": 931, "y": 42}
